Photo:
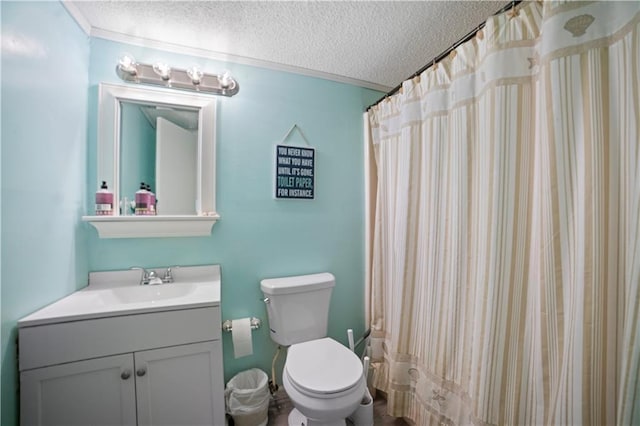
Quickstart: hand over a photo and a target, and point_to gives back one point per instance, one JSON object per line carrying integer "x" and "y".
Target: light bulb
{"x": 226, "y": 81}
{"x": 195, "y": 74}
{"x": 163, "y": 70}
{"x": 128, "y": 64}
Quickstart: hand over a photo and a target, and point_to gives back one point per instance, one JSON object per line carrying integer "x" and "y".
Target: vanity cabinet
{"x": 168, "y": 386}
{"x": 178, "y": 385}
{"x": 120, "y": 353}
{"x": 141, "y": 366}
{"x": 92, "y": 392}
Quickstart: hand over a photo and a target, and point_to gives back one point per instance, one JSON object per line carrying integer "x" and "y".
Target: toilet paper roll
{"x": 241, "y": 337}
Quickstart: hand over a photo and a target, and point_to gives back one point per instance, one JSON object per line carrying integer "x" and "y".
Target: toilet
{"x": 322, "y": 377}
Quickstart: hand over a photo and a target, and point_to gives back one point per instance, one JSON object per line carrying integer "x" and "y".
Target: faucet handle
{"x": 168, "y": 274}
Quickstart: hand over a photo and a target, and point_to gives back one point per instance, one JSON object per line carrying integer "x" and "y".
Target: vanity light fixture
{"x": 161, "y": 74}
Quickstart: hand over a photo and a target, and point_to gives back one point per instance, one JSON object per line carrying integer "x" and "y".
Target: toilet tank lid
{"x": 298, "y": 283}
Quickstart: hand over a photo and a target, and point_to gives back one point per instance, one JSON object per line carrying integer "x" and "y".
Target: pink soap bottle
{"x": 104, "y": 201}
{"x": 142, "y": 200}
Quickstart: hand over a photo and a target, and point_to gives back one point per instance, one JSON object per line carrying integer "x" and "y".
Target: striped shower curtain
{"x": 505, "y": 261}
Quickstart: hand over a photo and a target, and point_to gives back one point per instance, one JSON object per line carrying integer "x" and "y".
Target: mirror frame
{"x": 110, "y": 97}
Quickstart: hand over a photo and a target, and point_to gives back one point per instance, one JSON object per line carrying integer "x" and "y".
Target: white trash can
{"x": 247, "y": 398}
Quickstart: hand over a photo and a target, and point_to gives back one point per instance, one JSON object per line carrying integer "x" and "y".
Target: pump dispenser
{"x": 104, "y": 201}
{"x": 143, "y": 200}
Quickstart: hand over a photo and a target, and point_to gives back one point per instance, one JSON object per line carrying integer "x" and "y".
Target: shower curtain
{"x": 505, "y": 264}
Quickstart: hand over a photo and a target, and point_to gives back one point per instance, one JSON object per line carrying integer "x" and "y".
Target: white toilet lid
{"x": 323, "y": 366}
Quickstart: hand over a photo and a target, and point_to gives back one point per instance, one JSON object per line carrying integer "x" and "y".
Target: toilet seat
{"x": 323, "y": 368}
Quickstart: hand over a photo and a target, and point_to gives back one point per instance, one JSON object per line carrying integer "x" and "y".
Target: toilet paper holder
{"x": 255, "y": 324}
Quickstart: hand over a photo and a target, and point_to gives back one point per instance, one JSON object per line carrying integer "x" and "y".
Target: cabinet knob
{"x": 125, "y": 374}
{"x": 141, "y": 372}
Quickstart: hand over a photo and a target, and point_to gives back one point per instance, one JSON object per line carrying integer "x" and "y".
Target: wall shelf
{"x": 152, "y": 226}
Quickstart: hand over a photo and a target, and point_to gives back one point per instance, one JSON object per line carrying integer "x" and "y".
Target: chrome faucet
{"x": 148, "y": 277}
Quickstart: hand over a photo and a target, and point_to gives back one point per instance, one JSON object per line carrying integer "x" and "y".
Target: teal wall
{"x": 48, "y": 156}
{"x": 258, "y": 237}
{"x": 45, "y": 63}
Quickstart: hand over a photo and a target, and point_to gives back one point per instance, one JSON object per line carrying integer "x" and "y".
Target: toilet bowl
{"x": 324, "y": 382}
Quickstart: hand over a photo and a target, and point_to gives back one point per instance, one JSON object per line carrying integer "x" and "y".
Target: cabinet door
{"x": 95, "y": 392}
{"x": 181, "y": 385}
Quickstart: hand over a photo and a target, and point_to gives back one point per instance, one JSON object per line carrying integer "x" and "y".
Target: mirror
{"x": 160, "y": 137}
{"x": 158, "y": 146}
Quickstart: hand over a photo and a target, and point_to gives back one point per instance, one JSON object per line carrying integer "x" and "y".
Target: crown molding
{"x": 77, "y": 16}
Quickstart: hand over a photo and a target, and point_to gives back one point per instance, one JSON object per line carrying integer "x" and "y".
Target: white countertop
{"x": 115, "y": 293}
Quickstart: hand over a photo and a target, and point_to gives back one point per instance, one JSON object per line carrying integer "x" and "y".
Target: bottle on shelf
{"x": 143, "y": 200}
{"x": 104, "y": 201}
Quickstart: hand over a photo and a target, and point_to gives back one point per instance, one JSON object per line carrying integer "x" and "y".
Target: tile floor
{"x": 281, "y": 406}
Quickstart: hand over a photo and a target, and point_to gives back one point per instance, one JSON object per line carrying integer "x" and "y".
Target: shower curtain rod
{"x": 444, "y": 54}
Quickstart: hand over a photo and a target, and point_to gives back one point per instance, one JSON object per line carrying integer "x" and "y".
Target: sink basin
{"x": 119, "y": 292}
{"x": 146, "y": 293}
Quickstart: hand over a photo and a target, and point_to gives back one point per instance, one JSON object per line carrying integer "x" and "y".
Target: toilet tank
{"x": 298, "y": 306}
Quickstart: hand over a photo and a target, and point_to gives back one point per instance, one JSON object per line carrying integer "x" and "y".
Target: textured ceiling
{"x": 379, "y": 44}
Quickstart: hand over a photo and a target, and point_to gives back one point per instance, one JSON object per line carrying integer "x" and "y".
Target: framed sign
{"x": 295, "y": 172}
